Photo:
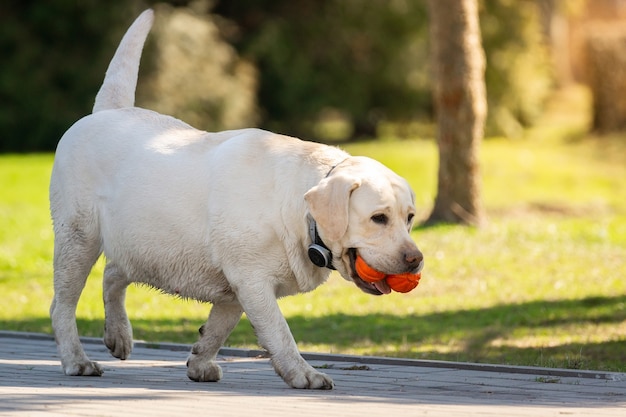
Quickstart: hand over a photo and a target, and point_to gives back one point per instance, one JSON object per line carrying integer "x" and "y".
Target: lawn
{"x": 543, "y": 283}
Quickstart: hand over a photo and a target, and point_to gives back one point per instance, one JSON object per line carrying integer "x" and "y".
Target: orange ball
{"x": 366, "y": 272}
{"x": 403, "y": 282}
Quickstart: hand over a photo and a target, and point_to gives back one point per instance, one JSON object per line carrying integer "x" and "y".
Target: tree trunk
{"x": 606, "y": 70}
{"x": 458, "y": 63}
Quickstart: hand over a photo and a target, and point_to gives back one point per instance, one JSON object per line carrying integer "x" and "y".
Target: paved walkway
{"x": 154, "y": 383}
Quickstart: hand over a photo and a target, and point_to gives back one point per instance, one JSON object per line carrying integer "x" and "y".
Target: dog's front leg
{"x": 272, "y": 330}
{"x": 201, "y": 366}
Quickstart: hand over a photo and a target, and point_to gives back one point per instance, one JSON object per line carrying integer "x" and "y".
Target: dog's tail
{"x": 120, "y": 81}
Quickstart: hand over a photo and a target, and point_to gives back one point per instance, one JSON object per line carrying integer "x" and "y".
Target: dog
{"x": 237, "y": 218}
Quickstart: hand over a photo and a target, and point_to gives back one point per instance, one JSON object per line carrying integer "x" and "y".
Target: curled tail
{"x": 120, "y": 81}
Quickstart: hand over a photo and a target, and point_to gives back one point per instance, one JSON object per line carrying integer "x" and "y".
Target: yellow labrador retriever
{"x": 237, "y": 218}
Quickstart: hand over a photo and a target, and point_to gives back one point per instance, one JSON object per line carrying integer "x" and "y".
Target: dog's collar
{"x": 317, "y": 240}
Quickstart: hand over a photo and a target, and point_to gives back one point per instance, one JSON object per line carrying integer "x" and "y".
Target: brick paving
{"x": 153, "y": 383}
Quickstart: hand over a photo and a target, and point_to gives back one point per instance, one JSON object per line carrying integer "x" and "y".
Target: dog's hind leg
{"x": 118, "y": 332}
{"x": 75, "y": 252}
{"x": 201, "y": 366}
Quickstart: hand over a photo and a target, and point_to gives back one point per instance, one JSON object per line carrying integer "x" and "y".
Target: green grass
{"x": 543, "y": 283}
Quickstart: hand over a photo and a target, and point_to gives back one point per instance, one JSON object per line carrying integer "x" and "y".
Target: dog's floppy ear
{"x": 328, "y": 203}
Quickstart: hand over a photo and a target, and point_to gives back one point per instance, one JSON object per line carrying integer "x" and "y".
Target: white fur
{"x": 218, "y": 217}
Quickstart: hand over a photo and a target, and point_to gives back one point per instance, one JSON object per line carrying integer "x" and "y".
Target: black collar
{"x": 316, "y": 239}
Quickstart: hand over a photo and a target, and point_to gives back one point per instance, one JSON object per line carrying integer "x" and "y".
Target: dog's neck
{"x": 322, "y": 255}
{"x": 335, "y": 166}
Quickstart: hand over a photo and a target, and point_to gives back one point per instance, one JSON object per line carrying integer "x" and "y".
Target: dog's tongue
{"x": 382, "y": 286}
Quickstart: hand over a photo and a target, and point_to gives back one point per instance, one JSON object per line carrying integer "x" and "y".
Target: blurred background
{"x": 328, "y": 70}
{"x": 541, "y": 283}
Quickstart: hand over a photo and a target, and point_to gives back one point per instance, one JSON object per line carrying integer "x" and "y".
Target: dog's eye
{"x": 410, "y": 218}
{"x": 380, "y": 218}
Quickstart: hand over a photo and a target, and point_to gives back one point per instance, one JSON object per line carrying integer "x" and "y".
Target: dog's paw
{"x": 203, "y": 371}
{"x": 299, "y": 374}
{"x": 309, "y": 379}
{"x": 84, "y": 368}
{"x": 119, "y": 340}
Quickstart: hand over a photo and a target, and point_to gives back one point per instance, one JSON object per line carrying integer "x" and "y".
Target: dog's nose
{"x": 414, "y": 259}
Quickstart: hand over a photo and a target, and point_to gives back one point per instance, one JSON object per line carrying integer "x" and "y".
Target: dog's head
{"x": 364, "y": 208}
